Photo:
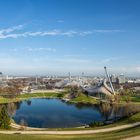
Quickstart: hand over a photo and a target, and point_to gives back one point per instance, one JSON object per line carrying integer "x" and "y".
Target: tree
{"x": 117, "y": 98}
{"x": 4, "y": 119}
{"x": 105, "y": 110}
{"x": 116, "y": 108}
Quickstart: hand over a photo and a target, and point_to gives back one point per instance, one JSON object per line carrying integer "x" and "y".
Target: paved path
{"x": 69, "y": 132}
{"x": 133, "y": 138}
{"x": 47, "y": 91}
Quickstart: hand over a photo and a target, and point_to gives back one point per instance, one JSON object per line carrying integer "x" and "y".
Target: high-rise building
{"x": 121, "y": 79}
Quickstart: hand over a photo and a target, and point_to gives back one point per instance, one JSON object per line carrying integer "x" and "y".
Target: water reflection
{"x": 56, "y": 113}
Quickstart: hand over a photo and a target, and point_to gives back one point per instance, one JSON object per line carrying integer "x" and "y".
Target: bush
{"x": 4, "y": 119}
{"x": 96, "y": 123}
{"x": 60, "y": 95}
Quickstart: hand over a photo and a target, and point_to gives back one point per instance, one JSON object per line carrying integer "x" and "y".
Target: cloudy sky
{"x": 58, "y": 36}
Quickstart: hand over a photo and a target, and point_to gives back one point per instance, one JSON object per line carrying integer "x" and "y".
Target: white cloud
{"x": 41, "y": 49}
{"x": 84, "y": 33}
{"x": 107, "y": 31}
{"x": 12, "y": 32}
{"x": 51, "y": 33}
{"x": 70, "y": 33}
{"x": 33, "y": 49}
{"x": 32, "y": 33}
{"x": 11, "y": 29}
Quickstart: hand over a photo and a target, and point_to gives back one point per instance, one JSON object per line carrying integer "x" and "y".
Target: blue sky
{"x": 57, "y": 36}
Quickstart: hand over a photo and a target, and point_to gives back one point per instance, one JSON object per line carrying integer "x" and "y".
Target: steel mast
{"x": 109, "y": 80}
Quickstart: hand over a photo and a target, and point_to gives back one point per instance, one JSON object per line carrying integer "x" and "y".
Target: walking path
{"x": 30, "y": 130}
{"x": 47, "y": 91}
{"x": 133, "y": 138}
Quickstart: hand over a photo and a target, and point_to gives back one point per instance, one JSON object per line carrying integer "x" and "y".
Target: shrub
{"x": 96, "y": 123}
{"x": 4, "y": 119}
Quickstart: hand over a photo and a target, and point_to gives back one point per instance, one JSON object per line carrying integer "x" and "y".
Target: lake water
{"x": 54, "y": 113}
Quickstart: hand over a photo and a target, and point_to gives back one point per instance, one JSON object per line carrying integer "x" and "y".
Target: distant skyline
{"x": 54, "y": 37}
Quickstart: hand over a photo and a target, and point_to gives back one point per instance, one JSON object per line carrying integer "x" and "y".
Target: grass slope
{"x": 82, "y": 98}
{"x": 116, "y": 135}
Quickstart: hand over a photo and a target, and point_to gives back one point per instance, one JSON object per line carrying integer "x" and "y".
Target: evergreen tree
{"x": 4, "y": 119}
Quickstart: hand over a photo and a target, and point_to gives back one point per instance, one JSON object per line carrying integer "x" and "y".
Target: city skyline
{"x": 57, "y": 37}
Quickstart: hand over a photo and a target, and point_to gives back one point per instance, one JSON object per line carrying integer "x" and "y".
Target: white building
{"x": 121, "y": 79}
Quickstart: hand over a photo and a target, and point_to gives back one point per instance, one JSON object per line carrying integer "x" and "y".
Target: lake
{"x": 54, "y": 113}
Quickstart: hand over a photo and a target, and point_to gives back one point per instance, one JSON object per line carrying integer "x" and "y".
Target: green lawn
{"x": 133, "y": 98}
{"x": 82, "y": 98}
{"x": 45, "y": 95}
{"x": 116, "y": 135}
{"x": 32, "y": 95}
